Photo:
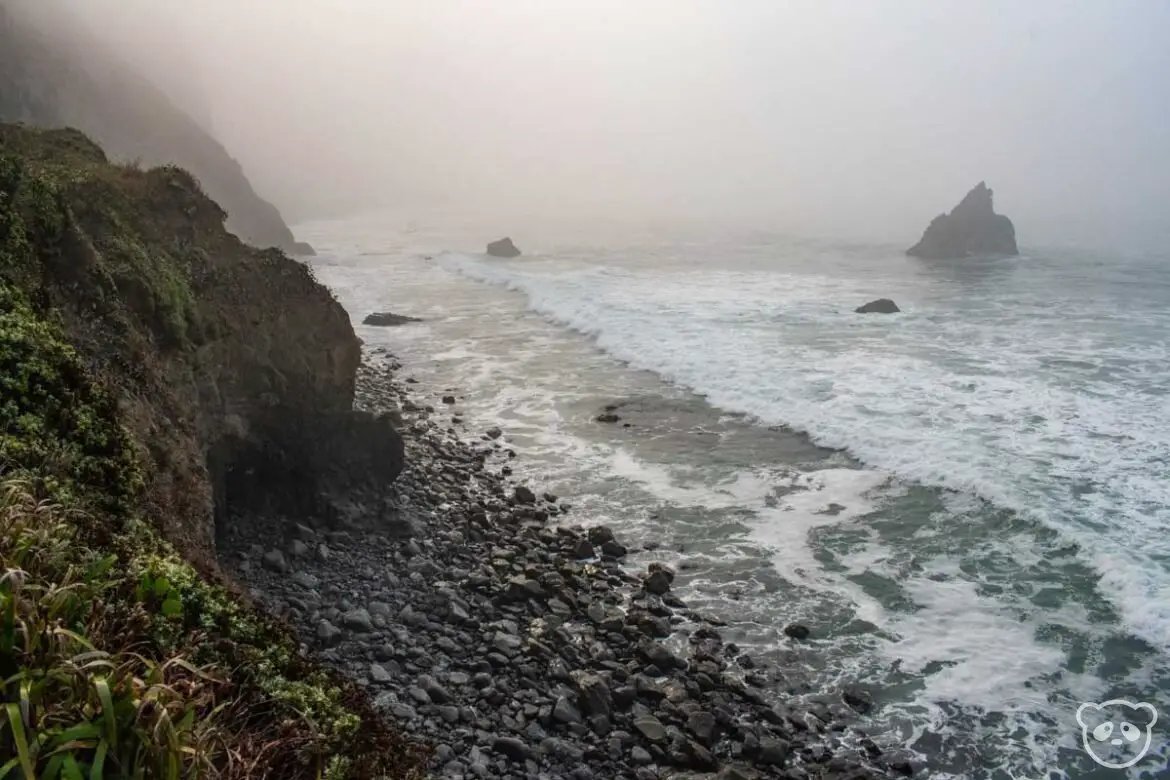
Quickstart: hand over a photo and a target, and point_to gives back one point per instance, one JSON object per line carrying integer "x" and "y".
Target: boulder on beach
{"x": 503, "y": 248}
{"x": 388, "y": 319}
{"x": 972, "y": 228}
{"x": 880, "y": 306}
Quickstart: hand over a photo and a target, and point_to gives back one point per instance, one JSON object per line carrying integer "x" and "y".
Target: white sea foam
{"x": 1022, "y": 406}
{"x": 992, "y": 393}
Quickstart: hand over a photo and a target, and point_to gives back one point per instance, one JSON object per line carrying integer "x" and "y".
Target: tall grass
{"x": 79, "y": 701}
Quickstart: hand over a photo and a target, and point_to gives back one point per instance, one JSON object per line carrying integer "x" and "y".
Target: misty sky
{"x": 851, "y": 118}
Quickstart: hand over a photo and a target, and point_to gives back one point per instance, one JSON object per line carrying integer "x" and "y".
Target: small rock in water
{"x": 797, "y": 631}
{"x": 599, "y": 534}
{"x": 494, "y": 433}
{"x": 880, "y": 306}
{"x": 448, "y": 399}
{"x": 583, "y": 549}
{"x": 857, "y": 700}
{"x": 614, "y": 550}
{"x": 388, "y": 319}
{"x": 524, "y": 495}
{"x": 658, "y": 579}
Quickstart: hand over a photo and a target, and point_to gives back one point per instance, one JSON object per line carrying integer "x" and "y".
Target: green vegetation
{"x": 117, "y": 658}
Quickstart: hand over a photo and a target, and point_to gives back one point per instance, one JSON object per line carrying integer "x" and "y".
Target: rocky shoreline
{"x": 519, "y": 645}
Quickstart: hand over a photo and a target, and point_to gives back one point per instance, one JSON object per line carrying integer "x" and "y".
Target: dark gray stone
{"x": 880, "y": 306}
{"x": 388, "y": 319}
{"x": 274, "y": 560}
{"x": 503, "y": 248}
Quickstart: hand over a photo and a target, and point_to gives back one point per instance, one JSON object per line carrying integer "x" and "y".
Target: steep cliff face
{"x": 58, "y": 77}
{"x": 146, "y": 354}
{"x": 219, "y": 353}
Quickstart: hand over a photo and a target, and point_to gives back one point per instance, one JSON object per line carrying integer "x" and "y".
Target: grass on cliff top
{"x": 117, "y": 660}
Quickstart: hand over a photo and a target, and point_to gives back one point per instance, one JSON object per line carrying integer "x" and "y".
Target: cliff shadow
{"x": 326, "y": 471}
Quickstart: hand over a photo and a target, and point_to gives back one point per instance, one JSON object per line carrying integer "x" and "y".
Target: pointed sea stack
{"x": 972, "y": 228}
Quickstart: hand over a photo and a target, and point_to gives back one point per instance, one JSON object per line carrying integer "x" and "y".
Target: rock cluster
{"x": 521, "y": 646}
{"x": 972, "y": 228}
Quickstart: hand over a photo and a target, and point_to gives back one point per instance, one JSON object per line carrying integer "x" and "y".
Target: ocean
{"x": 967, "y": 503}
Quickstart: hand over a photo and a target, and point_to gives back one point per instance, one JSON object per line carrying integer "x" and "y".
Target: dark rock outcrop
{"x": 388, "y": 319}
{"x": 503, "y": 248}
{"x": 880, "y": 306}
{"x": 220, "y": 354}
{"x": 972, "y": 228}
{"x": 54, "y": 74}
{"x": 303, "y": 249}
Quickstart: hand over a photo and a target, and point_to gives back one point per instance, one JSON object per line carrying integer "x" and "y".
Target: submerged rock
{"x": 503, "y": 248}
{"x": 880, "y": 306}
{"x": 388, "y": 319}
{"x": 972, "y": 228}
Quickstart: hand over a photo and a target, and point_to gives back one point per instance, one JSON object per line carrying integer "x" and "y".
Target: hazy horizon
{"x": 836, "y": 118}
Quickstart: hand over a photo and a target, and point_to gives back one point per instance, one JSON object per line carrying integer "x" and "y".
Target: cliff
{"x": 148, "y": 358}
{"x": 57, "y": 76}
{"x": 972, "y": 228}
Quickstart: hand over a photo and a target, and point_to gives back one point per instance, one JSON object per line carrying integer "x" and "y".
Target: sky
{"x": 850, "y": 118}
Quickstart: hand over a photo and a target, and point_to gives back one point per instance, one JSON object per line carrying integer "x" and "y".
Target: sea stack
{"x": 972, "y": 228}
{"x": 503, "y": 248}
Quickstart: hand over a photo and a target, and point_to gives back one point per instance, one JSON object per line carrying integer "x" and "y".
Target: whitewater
{"x": 1054, "y": 405}
{"x": 984, "y": 539}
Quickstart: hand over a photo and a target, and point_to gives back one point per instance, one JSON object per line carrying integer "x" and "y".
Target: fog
{"x": 848, "y": 118}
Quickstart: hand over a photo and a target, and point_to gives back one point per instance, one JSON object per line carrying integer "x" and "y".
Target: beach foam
{"x": 968, "y": 399}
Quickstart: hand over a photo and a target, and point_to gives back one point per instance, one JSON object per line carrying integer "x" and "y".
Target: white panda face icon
{"x": 1117, "y": 733}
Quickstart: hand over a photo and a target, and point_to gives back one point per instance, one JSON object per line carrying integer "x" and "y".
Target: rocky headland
{"x": 971, "y": 229}
{"x": 155, "y": 371}
{"x": 54, "y": 73}
{"x": 330, "y": 577}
